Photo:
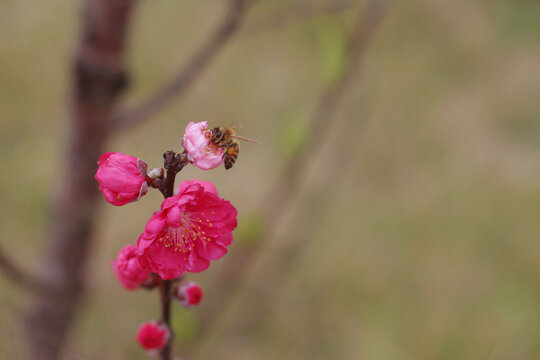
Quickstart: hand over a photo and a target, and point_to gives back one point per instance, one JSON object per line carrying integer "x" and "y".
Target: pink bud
{"x": 121, "y": 177}
{"x": 201, "y": 152}
{"x": 128, "y": 269}
{"x": 189, "y": 294}
{"x": 207, "y": 185}
{"x": 153, "y": 335}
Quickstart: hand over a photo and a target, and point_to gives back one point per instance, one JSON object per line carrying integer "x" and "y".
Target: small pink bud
{"x": 207, "y": 185}
{"x": 201, "y": 152}
{"x": 121, "y": 177}
{"x": 128, "y": 269}
{"x": 153, "y": 335}
{"x": 189, "y": 294}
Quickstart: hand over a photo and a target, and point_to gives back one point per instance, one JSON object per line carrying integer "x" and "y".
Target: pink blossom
{"x": 121, "y": 177}
{"x": 153, "y": 336}
{"x": 191, "y": 229}
{"x": 201, "y": 152}
{"x": 128, "y": 269}
{"x": 189, "y": 294}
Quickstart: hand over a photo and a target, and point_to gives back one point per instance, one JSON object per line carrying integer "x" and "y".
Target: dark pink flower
{"x": 189, "y": 294}
{"x": 201, "y": 152}
{"x": 153, "y": 336}
{"x": 128, "y": 269}
{"x": 121, "y": 177}
{"x": 192, "y": 228}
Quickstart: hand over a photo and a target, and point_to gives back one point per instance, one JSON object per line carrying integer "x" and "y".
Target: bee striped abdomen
{"x": 231, "y": 154}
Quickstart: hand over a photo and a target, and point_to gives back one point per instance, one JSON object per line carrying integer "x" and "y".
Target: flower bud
{"x": 207, "y": 185}
{"x": 155, "y": 173}
{"x": 153, "y": 335}
{"x": 200, "y": 151}
{"x": 189, "y": 294}
{"x": 121, "y": 177}
{"x": 128, "y": 269}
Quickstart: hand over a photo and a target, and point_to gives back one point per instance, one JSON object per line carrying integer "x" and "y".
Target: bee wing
{"x": 245, "y": 139}
{"x": 236, "y": 125}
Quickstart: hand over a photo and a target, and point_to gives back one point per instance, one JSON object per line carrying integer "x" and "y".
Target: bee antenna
{"x": 245, "y": 139}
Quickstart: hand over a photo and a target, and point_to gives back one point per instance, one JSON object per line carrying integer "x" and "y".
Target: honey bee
{"x": 226, "y": 139}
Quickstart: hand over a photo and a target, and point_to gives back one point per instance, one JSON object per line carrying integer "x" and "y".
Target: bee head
{"x": 217, "y": 133}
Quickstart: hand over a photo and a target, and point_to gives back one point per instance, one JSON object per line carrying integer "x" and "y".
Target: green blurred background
{"x": 417, "y": 227}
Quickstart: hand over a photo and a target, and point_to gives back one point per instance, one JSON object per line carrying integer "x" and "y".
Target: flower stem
{"x": 173, "y": 163}
{"x": 165, "y": 295}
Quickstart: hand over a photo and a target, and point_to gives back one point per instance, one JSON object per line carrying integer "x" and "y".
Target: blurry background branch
{"x": 233, "y": 277}
{"x": 321, "y": 121}
{"x": 189, "y": 73}
{"x": 294, "y": 14}
{"x": 98, "y": 79}
{"x": 18, "y": 276}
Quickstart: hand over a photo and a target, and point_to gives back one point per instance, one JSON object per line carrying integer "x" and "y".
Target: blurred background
{"x": 412, "y": 234}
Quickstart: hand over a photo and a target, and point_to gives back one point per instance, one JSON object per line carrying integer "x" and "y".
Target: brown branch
{"x": 19, "y": 277}
{"x": 172, "y": 163}
{"x": 165, "y": 299}
{"x": 190, "y": 72}
{"x": 234, "y": 275}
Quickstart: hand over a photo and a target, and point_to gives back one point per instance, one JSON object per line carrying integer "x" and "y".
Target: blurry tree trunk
{"x": 99, "y": 78}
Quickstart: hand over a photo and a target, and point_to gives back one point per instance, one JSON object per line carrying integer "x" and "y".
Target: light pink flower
{"x": 153, "y": 336}
{"x": 121, "y": 177}
{"x": 128, "y": 269}
{"x": 200, "y": 150}
{"x": 191, "y": 229}
{"x": 189, "y": 294}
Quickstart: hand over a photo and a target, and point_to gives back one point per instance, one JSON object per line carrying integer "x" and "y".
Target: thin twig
{"x": 190, "y": 72}
{"x": 293, "y": 15}
{"x": 315, "y": 203}
{"x": 26, "y": 280}
{"x": 165, "y": 297}
{"x": 172, "y": 163}
{"x": 287, "y": 184}
{"x": 233, "y": 276}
